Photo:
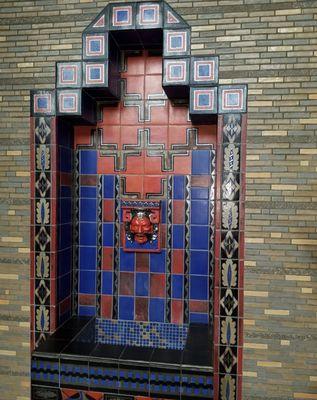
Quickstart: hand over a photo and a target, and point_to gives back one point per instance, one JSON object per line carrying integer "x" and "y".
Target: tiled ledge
{"x": 72, "y": 358}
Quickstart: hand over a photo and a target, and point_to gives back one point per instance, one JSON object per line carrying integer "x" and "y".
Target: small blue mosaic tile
{"x": 199, "y": 193}
{"x": 127, "y": 261}
{"x": 88, "y": 161}
{"x": 198, "y": 287}
{"x": 199, "y": 262}
{"x": 126, "y": 308}
{"x": 200, "y": 212}
{"x": 107, "y": 234}
{"x": 199, "y": 237}
{"x": 107, "y": 282}
{"x": 142, "y": 284}
{"x": 145, "y": 334}
{"x": 87, "y": 282}
{"x": 179, "y": 187}
{"x": 88, "y": 192}
{"x": 88, "y": 234}
{"x": 88, "y": 210}
{"x": 177, "y": 286}
{"x": 178, "y": 236}
{"x": 108, "y": 186}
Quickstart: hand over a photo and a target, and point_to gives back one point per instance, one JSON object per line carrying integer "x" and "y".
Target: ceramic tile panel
{"x": 233, "y": 99}
{"x": 96, "y": 74}
{"x": 95, "y": 46}
{"x": 204, "y": 71}
{"x": 176, "y": 43}
{"x": 68, "y": 75}
{"x": 122, "y": 16}
{"x": 42, "y": 103}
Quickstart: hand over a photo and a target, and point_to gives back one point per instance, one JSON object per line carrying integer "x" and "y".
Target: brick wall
{"x": 269, "y": 44}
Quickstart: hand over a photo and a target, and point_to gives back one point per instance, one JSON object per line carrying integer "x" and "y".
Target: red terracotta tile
{"x": 53, "y": 130}
{"x": 153, "y": 184}
{"x": 182, "y": 165}
{"x": 133, "y": 184}
{"x": 141, "y": 309}
{"x": 32, "y": 133}
{"x": 82, "y": 135}
{"x": 135, "y": 85}
{"x": 53, "y": 289}
{"x": 158, "y": 135}
{"x": 130, "y": 114}
{"x": 198, "y": 306}
{"x": 216, "y": 301}
{"x": 129, "y": 135}
{"x": 178, "y": 115}
{"x": 94, "y": 395}
{"x": 216, "y": 273}
{"x": 65, "y": 179}
{"x": 110, "y": 116}
{"x": 178, "y": 212}
{"x": 135, "y": 66}
{"x": 201, "y": 181}
{"x": 54, "y": 157}
{"x": 105, "y": 165}
{"x": 207, "y": 134}
{"x": 153, "y": 65}
{"x": 240, "y": 331}
{"x": 32, "y": 285}
{"x": 106, "y": 306}
{"x": 216, "y": 330}
{"x": 177, "y": 134}
{"x": 153, "y": 85}
{"x": 158, "y": 113}
{"x": 239, "y": 383}
{"x": 53, "y": 318}
{"x": 111, "y": 135}
{"x": 241, "y": 274}
{"x": 32, "y": 158}
{"x": 177, "y": 312}
{"x": 108, "y": 210}
{"x": 32, "y": 265}
{"x": 152, "y": 165}
{"x": 217, "y": 243}
{"x": 142, "y": 262}
{"x": 240, "y": 356}
{"x": 65, "y": 305}
{"x": 163, "y": 236}
{"x": 86, "y": 299}
{"x": 107, "y": 258}
{"x": 157, "y": 285}
{"x": 53, "y": 264}
{"x": 126, "y": 283}
{"x": 134, "y": 164}
{"x": 88, "y": 180}
{"x": 32, "y": 184}
{"x": 178, "y": 261}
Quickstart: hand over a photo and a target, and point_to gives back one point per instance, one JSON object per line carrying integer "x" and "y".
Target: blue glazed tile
{"x": 87, "y": 258}
{"x": 199, "y": 193}
{"x": 158, "y": 261}
{"x": 88, "y": 210}
{"x": 88, "y": 192}
{"x": 127, "y": 261}
{"x": 108, "y": 186}
{"x": 163, "y": 212}
{"x": 177, "y": 286}
{"x": 65, "y": 210}
{"x": 64, "y": 287}
{"x": 88, "y": 234}
{"x": 199, "y": 262}
{"x": 142, "y": 284}
{"x": 179, "y": 187}
{"x": 198, "y": 318}
{"x": 201, "y": 162}
{"x": 198, "y": 287}
{"x": 126, "y": 308}
{"x": 65, "y": 191}
{"x": 87, "y": 282}
{"x": 106, "y": 282}
{"x": 87, "y": 311}
{"x": 65, "y": 159}
{"x": 157, "y": 307}
{"x": 107, "y": 234}
{"x": 178, "y": 236}
{"x": 65, "y": 236}
{"x": 200, "y": 212}
{"x": 88, "y": 161}
{"x": 199, "y": 237}
{"x": 64, "y": 261}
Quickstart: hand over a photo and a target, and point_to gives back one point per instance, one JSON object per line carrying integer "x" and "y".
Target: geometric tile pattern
{"x": 42, "y": 102}
{"x": 95, "y": 46}
{"x": 176, "y": 43}
{"x": 68, "y": 74}
{"x": 233, "y": 99}
{"x": 230, "y": 260}
{"x": 204, "y": 70}
{"x": 203, "y": 100}
{"x": 44, "y": 227}
{"x": 69, "y": 102}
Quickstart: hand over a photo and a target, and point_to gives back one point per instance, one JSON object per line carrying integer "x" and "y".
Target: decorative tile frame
{"x": 66, "y": 101}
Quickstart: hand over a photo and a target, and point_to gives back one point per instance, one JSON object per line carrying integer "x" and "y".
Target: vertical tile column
{"x": 229, "y": 253}
{"x": 43, "y": 224}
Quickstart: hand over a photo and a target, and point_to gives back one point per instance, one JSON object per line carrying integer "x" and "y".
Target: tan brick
{"x": 276, "y": 312}
{"x": 299, "y": 278}
{"x": 255, "y": 293}
{"x": 255, "y": 346}
{"x": 285, "y": 342}
{"x": 308, "y": 151}
{"x": 310, "y": 242}
{"x": 306, "y": 290}
{"x": 274, "y": 133}
{"x": 269, "y": 364}
{"x": 250, "y": 374}
{"x": 305, "y": 396}
{"x": 284, "y": 187}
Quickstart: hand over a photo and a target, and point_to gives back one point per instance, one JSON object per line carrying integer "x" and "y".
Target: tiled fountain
{"x": 137, "y": 217}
